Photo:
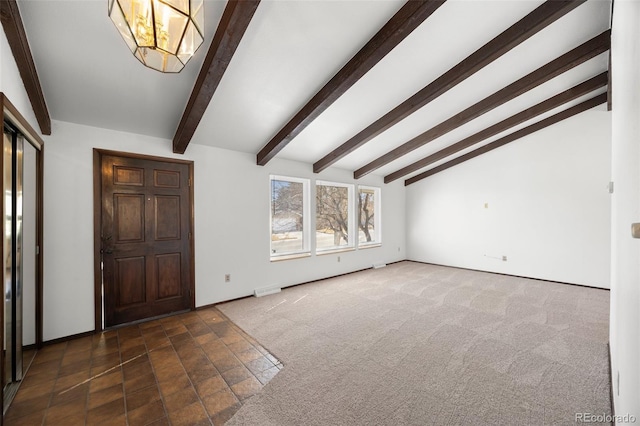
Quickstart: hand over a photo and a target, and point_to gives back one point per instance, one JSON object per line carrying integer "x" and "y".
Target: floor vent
{"x": 379, "y": 265}
{"x": 264, "y": 291}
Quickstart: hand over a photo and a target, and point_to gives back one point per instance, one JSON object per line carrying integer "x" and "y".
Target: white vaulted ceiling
{"x": 289, "y": 51}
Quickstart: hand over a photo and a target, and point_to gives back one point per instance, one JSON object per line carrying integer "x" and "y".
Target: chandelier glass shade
{"x": 162, "y": 34}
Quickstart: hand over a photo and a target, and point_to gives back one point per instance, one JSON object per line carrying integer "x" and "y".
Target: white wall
{"x": 548, "y": 207}
{"x": 231, "y": 223}
{"x": 625, "y": 275}
{"x": 11, "y": 83}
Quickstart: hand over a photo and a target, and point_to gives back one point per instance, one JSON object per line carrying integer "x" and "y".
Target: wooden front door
{"x": 145, "y": 234}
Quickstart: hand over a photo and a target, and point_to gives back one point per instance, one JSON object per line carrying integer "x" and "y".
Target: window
{"x": 368, "y": 216}
{"x": 334, "y": 216}
{"x": 346, "y": 217}
{"x": 289, "y": 216}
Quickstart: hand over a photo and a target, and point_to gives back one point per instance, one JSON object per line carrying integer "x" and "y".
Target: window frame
{"x": 352, "y": 244}
{"x": 377, "y": 216}
{"x": 306, "y": 219}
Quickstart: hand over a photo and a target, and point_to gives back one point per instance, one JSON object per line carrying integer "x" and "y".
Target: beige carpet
{"x": 416, "y": 344}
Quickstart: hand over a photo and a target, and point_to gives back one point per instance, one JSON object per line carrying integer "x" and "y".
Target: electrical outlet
{"x": 398, "y": 249}
{"x": 227, "y": 278}
{"x": 486, "y": 205}
{"x": 504, "y": 258}
{"x": 338, "y": 259}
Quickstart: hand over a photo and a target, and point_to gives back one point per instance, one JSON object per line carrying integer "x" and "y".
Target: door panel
{"x": 130, "y": 281}
{"x": 129, "y": 218}
{"x": 166, "y": 179}
{"x": 128, "y": 176}
{"x": 168, "y": 267}
{"x": 145, "y": 229}
{"x": 167, "y": 218}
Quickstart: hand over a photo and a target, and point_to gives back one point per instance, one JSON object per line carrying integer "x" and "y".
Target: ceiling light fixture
{"x": 162, "y": 34}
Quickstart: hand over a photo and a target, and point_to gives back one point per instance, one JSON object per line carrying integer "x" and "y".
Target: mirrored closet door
{"x": 20, "y": 251}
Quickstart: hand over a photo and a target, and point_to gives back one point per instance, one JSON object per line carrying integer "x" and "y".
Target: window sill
{"x": 332, "y": 251}
{"x": 289, "y": 257}
{"x": 368, "y": 246}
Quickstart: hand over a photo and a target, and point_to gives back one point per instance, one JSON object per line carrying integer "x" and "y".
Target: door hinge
{"x": 189, "y": 181}
{"x": 189, "y": 235}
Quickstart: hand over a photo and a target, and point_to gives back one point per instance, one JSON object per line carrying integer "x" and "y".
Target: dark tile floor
{"x": 191, "y": 369}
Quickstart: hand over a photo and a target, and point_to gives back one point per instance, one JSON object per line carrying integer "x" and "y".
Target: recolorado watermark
{"x": 605, "y": 418}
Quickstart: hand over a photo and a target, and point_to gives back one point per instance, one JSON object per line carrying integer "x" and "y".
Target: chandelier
{"x": 162, "y": 34}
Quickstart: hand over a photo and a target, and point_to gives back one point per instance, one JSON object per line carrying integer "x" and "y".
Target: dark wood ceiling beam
{"x": 233, "y": 24}
{"x": 571, "y": 59}
{"x": 609, "y": 87}
{"x": 17, "y": 38}
{"x": 575, "y": 92}
{"x": 584, "y": 106}
{"x": 407, "y": 19}
{"x": 535, "y": 21}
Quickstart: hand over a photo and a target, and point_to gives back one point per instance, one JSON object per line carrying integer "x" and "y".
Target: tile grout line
{"x": 251, "y": 340}
{"x": 193, "y": 385}
{"x": 189, "y": 377}
{"x": 86, "y": 402}
{"x": 246, "y": 337}
{"x": 103, "y": 373}
{"x": 220, "y": 373}
{"x": 155, "y": 376}
{"x": 124, "y": 391}
{"x": 46, "y": 411}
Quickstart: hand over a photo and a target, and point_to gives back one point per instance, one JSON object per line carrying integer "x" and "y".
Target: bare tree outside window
{"x": 287, "y": 216}
{"x": 366, "y": 215}
{"x": 333, "y": 216}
